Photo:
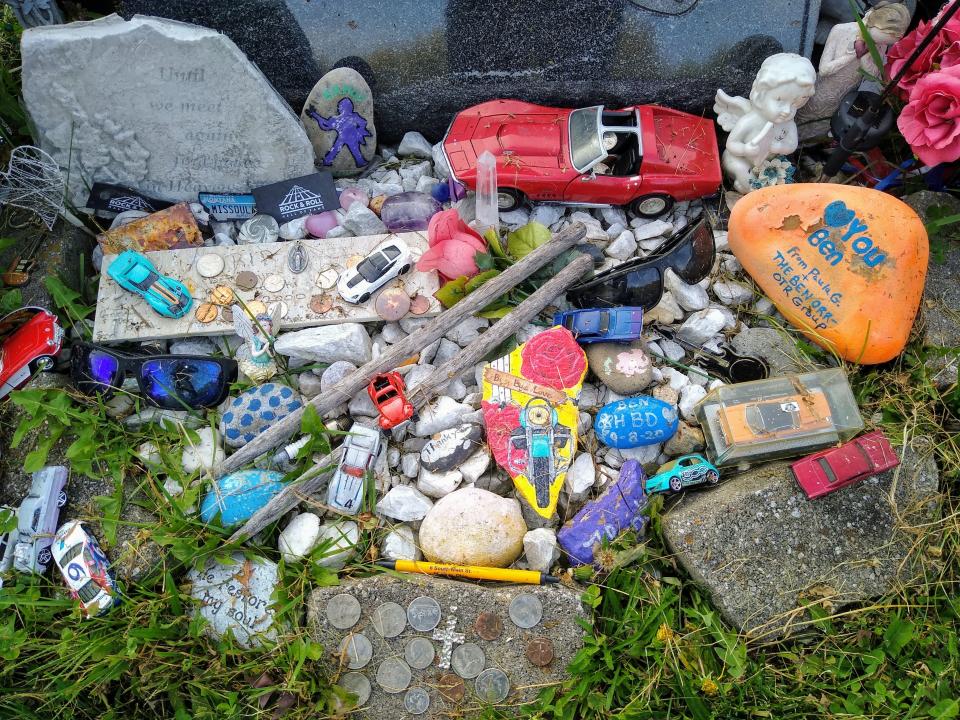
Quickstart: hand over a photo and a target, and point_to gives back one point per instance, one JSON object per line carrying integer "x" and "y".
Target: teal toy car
{"x": 134, "y": 272}
{"x": 684, "y": 472}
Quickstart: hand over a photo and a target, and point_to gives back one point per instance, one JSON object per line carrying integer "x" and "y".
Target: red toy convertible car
{"x": 387, "y": 391}
{"x": 829, "y": 470}
{"x": 31, "y": 338}
{"x": 644, "y": 156}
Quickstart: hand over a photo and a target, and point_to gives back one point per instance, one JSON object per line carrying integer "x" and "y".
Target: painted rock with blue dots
{"x": 256, "y": 409}
{"x": 237, "y": 496}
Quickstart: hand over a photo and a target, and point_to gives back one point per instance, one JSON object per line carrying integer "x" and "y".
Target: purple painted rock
{"x": 617, "y": 510}
{"x": 350, "y": 195}
{"x": 408, "y": 211}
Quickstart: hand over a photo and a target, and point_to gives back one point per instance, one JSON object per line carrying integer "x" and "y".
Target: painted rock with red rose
{"x": 530, "y": 412}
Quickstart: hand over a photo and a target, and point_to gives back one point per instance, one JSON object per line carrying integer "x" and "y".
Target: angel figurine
{"x": 763, "y": 126}
{"x": 254, "y": 357}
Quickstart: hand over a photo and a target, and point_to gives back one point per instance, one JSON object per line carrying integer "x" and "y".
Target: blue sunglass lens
{"x": 103, "y": 369}
{"x": 173, "y": 384}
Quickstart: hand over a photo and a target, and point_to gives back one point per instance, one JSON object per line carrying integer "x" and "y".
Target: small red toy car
{"x": 31, "y": 338}
{"x": 829, "y": 470}
{"x": 644, "y": 156}
{"x": 387, "y": 391}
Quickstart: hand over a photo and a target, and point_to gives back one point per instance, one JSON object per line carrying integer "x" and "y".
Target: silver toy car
{"x": 37, "y": 519}
{"x": 360, "y": 451}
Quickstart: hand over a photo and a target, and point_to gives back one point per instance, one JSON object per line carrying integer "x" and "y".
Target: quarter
{"x": 393, "y": 675}
{"x": 274, "y": 283}
{"x": 343, "y": 611}
{"x": 416, "y": 701}
{"x": 526, "y": 610}
{"x": 356, "y": 684}
{"x": 468, "y": 660}
{"x": 492, "y": 686}
{"x": 423, "y": 613}
{"x": 209, "y": 265}
{"x": 419, "y": 653}
{"x": 356, "y": 650}
{"x": 389, "y": 619}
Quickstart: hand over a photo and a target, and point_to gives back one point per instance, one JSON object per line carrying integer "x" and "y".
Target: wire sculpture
{"x": 33, "y": 181}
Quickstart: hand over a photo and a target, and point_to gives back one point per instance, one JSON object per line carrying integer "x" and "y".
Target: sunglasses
{"x": 639, "y": 283}
{"x": 171, "y": 382}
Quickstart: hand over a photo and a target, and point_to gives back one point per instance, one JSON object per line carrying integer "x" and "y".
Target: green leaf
{"x": 523, "y": 241}
{"x": 478, "y": 280}
{"x": 484, "y": 261}
{"x": 493, "y": 240}
{"x": 452, "y": 291}
{"x": 898, "y": 634}
{"x": 945, "y": 709}
{"x": 11, "y": 300}
{"x": 496, "y": 313}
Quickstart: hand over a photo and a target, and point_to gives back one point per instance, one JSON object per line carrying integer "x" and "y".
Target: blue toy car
{"x": 685, "y": 471}
{"x": 133, "y": 271}
{"x": 621, "y": 324}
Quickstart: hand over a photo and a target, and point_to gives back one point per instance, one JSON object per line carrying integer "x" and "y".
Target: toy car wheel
{"x": 363, "y": 298}
{"x": 44, "y": 557}
{"x": 652, "y": 206}
{"x": 405, "y": 269}
{"x": 43, "y": 363}
{"x": 61, "y": 499}
{"x": 713, "y": 477}
{"x": 676, "y": 484}
{"x": 508, "y": 199}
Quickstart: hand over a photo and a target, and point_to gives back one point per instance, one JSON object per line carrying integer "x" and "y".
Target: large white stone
{"x": 328, "y": 344}
{"x": 299, "y": 537}
{"x": 581, "y": 476}
{"x": 400, "y": 544}
{"x": 404, "y": 502}
{"x": 440, "y": 414}
{"x": 206, "y": 452}
{"x": 342, "y": 537}
{"x": 473, "y": 527}
{"x": 702, "y": 325}
{"x": 438, "y": 484}
{"x": 689, "y": 297}
{"x": 166, "y": 107}
{"x": 540, "y": 549}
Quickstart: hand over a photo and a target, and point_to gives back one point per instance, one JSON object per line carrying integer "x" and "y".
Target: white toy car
{"x": 37, "y": 519}
{"x": 358, "y": 283}
{"x": 360, "y": 451}
{"x": 85, "y": 569}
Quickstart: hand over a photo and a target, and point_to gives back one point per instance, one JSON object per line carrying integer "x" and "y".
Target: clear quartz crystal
{"x": 487, "y": 212}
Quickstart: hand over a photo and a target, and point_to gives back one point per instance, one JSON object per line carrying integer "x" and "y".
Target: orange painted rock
{"x": 844, "y": 264}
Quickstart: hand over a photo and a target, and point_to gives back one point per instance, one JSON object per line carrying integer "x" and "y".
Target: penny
{"x": 419, "y": 304}
{"x": 343, "y": 611}
{"x": 356, "y": 650}
{"x": 328, "y": 279}
{"x": 416, "y": 701}
{"x": 392, "y": 304}
{"x": 540, "y": 651}
{"x": 274, "y": 283}
{"x": 419, "y": 653}
{"x": 356, "y": 684}
{"x": 247, "y": 280}
{"x": 389, "y": 619}
{"x": 493, "y": 686}
{"x": 206, "y": 313}
{"x": 209, "y": 265}
{"x": 321, "y": 303}
{"x": 526, "y": 610}
{"x": 488, "y": 626}
{"x": 423, "y": 613}
{"x": 393, "y": 675}
{"x": 256, "y": 307}
{"x": 221, "y": 295}
{"x": 297, "y": 259}
{"x": 226, "y": 314}
{"x": 273, "y": 306}
{"x": 259, "y": 229}
{"x": 451, "y": 687}
{"x": 468, "y": 660}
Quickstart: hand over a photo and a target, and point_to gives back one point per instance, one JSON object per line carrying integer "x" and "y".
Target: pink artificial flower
{"x": 931, "y": 120}
{"x": 453, "y": 245}
{"x": 943, "y": 51}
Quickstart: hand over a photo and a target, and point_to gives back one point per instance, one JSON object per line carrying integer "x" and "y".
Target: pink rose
{"x": 453, "y": 245}
{"x": 929, "y": 59}
{"x": 553, "y": 358}
{"x": 931, "y": 120}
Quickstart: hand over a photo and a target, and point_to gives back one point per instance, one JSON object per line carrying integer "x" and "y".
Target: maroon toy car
{"x": 31, "y": 338}
{"x": 829, "y": 470}
{"x": 387, "y": 391}
{"x": 643, "y": 156}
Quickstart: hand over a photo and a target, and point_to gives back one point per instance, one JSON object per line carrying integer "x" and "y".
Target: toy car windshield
{"x": 772, "y": 417}
{"x": 373, "y": 266}
{"x": 589, "y": 322}
{"x": 597, "y": 134}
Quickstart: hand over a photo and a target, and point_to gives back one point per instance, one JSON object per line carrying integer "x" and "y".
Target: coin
{"x": 259, "y": 229}
{"x": 389, "y": 619}
{"x": 256, "y": 307}
{"x": 419, "y": 653}
{"x": 393, "y": 675}
{"x": 247, "y": 280}
{"x": 488, "y": 626}
{"x": 526, "y": 610}
{"x": 274, "y": 283}
{"x": 540, "y": 651}
{"x": 423, "y": 613}
{"x": 419, "y": 304}
{"x": 209, "y": 265}
{"x": 273, "y": 306}
{"x": 206, "y": 313}
{"x": 297, "y": 259}
{"x": 328, "y": 279}
{"x": 468, "y": 660}
{"x": 416, "y": 701}
{"x": 493, "y": 686}
{"x": 356, "y": 684}
{"x": 321, "y": 303}
{"x": 356, "y": 650}
{"x": 451, "y": 687}
{"x": 226, "y": 314}
{"x": 343, "y": 611}
{"x": 392, "y": 304}
{"x": 221, "y": 295}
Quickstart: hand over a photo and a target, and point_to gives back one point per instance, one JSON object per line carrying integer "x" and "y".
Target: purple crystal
{"x": 617, "y": 510}
{"x": 408, "y": 211}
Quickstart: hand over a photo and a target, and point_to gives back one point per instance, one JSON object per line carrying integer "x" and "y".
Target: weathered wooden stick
{"x": 410, "y": 345}
{"x": 313, "y": 479}
{"x": 500, "y": 331}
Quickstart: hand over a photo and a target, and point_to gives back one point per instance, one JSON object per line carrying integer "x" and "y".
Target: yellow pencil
{"x": 472, "y": 572}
